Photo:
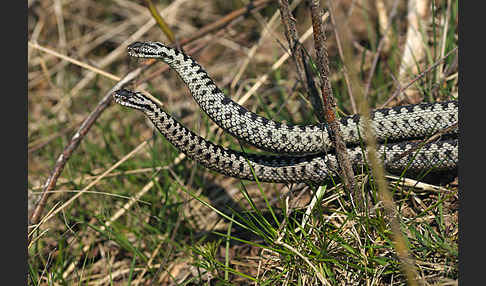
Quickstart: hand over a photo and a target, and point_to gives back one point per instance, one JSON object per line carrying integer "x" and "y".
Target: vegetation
{"x": 128, "y": 209}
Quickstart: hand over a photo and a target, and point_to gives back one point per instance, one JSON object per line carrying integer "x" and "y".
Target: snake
{"x": 285, "y": 168}
{"x": 394, "y": 124}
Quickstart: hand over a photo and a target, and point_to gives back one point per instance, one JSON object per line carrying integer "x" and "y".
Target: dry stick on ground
{"x": 330, "y": 105}
{"x": 299, "y": 57}
{"x": 86, "y": 125}
{"x": 372, "y": 155}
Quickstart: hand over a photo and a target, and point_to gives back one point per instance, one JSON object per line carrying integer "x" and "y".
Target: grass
{"x": 159, "y": 219}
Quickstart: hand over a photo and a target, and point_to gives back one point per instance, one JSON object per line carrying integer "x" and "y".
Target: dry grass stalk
{"x": 372, "y": 156}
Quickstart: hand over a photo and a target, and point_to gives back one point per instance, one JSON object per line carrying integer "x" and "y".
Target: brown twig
{"x": 300, "y": 59}
{"x": 330, "y": 104}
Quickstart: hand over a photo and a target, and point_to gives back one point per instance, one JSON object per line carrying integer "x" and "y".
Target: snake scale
{"x": 307, "y": 148}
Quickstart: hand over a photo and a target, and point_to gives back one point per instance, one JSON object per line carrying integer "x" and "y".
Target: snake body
{"x": 389, "y": 125}
{"x": 316, "y": 168}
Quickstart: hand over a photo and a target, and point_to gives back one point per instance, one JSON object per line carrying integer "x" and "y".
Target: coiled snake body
{"x": 393, "y": 125}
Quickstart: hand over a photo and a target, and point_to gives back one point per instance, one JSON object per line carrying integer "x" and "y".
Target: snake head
{"x": 132, "y": 99}
{"x": 149, "y": 50}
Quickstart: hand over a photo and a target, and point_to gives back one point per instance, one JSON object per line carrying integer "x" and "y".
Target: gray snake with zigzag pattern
{"x": 395, "y": 126}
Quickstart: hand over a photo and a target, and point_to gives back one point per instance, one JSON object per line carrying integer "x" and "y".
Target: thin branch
{"x": 322, "y": 61}
{"x": 300, "y": 59}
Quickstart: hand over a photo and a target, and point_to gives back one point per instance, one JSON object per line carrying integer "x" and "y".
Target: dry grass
{"x": 128, "y": 209}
